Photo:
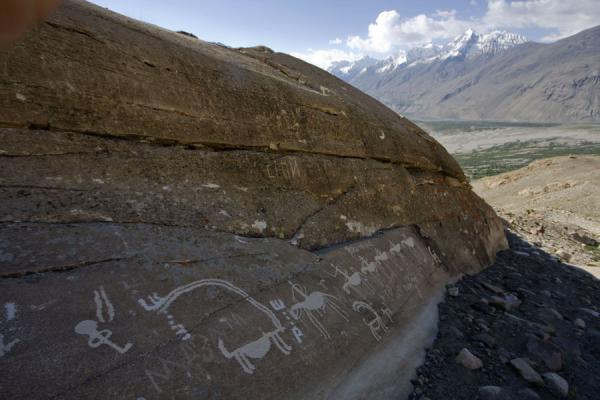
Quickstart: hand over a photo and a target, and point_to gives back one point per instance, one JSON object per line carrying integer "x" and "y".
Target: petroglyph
{"x": 179, "y": 329}
{"x": 10, "y": 311}
{"x": 313, "y": 306}
{"x": 376, "y": 324}
{"x": 5, "y": 348}
{"x": 256, "y": 349}
{"x": 185, "y": 360}
{"x": 286, "y": 168}
{"x": 277, "y": 304}
{"x": 105, "y": 312}
{"x": 98, "y": 338}
{"x": 102, "y": 301}
{"x": 353, "y": 281}
{"x": 298, "y": 334}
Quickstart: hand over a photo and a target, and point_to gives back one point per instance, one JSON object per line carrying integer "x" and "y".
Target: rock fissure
{"x": 59, "y": 268}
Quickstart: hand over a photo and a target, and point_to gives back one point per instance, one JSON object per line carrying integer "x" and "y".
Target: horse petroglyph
{"x": 256, "y": 349}
{"x": 314, "y": 306}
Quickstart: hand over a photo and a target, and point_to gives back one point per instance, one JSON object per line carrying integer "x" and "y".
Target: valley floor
{"x": 490, "y": 148}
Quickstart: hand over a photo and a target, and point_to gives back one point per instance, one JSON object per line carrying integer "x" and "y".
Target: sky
{"x": 325, "y": 31}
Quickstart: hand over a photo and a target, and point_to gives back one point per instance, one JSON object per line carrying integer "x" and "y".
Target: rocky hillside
{"x": 557, "y": 82}
{"x": 554, "y": 204}
{"x": 184, "y": 220}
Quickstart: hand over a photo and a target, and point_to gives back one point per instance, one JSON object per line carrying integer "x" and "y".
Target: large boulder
{"x": 181, "y": 219}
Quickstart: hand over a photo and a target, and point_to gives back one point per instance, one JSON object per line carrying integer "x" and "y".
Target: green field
{"x": 514, "y": 155}
{"x": 485, "y": 148}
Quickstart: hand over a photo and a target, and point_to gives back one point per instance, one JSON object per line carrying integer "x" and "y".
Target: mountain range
{"x": 496, "y": 76}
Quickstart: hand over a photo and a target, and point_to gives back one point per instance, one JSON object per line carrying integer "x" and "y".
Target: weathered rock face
{"x": 180, "y": 219}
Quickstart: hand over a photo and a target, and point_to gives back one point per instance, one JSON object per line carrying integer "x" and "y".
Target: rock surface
{"x": 184, "y": 220}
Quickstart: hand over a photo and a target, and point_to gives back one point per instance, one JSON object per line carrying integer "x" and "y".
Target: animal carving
{"x": 256, "y": 349}
{"x": 313, "y": 306}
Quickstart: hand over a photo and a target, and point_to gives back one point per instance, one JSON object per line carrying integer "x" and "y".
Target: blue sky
{"x": 324, "y": 31}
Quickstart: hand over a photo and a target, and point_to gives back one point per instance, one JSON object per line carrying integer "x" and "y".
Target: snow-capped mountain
{"x": 469, "y": 45}
{"x": 495, "y": 76}
{"x": 472, "y": 44}
{"x": 349, "y": 69}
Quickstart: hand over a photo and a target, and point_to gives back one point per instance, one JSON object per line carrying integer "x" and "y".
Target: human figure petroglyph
{"x": 376, "y": 325}
{"x": 313, "y": 306}
{"x": 256, "y": 349}
{"x": 105, "y": 312}
{"x": 97, "y": 338}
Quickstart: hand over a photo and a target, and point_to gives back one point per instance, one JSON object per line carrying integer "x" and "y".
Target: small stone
{"x": 546, "y": 293}
{"x": 528, "y": 394}
{"x": 579, "y": 323}
{"x": 590, "y": 312}
{"x": 507, "y": 302}
{"x": 584, "y": 239}
{"x": 469, "y": 360}
{"x": 453, "y": 291}
{"x": 456, "y": 332}
{"x": 556, "y": 384}
{"x": 526, "y": 371}
{"x": 525, "y": 292}
{"x": 485, "y": 338}
{"x": 492, "y": 288}
{"x": 489, "y": 392}
{"x": 546, "y": 351}
{"x": 549, "y": 315}
{"x": 563, "y": 255}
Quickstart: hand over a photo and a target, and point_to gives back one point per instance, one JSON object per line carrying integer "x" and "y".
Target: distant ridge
{"x": 498, "y": 76}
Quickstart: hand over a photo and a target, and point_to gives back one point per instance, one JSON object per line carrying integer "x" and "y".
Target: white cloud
{"x": 567, "y": 17}
{"x": 324, "y": 58}
{"x": 391, "y": 31}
